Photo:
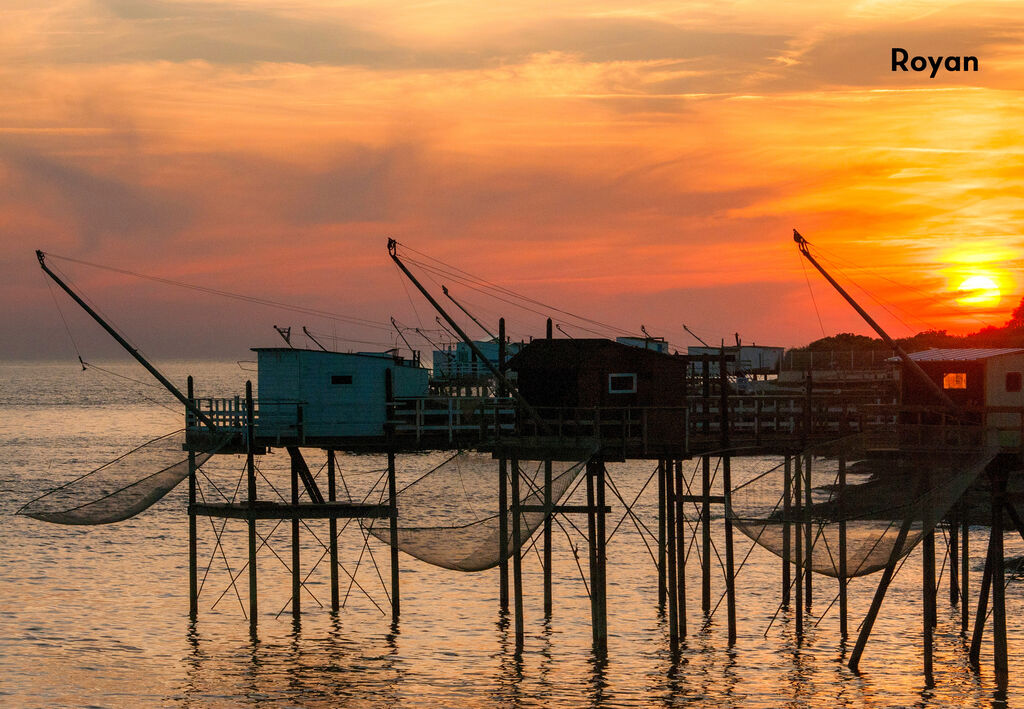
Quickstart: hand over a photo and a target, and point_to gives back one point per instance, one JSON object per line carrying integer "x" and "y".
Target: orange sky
{"x": 639, "y": 163}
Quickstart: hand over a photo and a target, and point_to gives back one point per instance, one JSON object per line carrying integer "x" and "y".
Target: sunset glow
{"x": 641, "y": 164}
{"x": 979, "y": 291}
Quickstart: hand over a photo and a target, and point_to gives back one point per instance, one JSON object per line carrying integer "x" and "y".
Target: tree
{"x": 1017, "y": 318}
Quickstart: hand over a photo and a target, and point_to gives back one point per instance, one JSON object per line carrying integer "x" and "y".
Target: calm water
{"x": 98, "y": 616}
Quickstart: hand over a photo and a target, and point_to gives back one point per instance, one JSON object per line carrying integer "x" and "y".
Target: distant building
{"x": 312, "y": 393}
{"x": 747, "y": 359}
{"x": 656, "y": 344}
{"x": 459, "y": 362}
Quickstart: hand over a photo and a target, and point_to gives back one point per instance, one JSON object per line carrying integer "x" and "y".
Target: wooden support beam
{"x": 296, "y": 569}
{"x": 787, "y": 497}
{"x": 953, "y": 550}
{"x": 601, "y": 626}
{"x": 843, "y": 581}
{"x": 250, "y": 467}
{"x": 705, "y": 533}
{"x": 974, "y": 655}
{"x": 662, "y": 585}
{"x": 332, "y": 496}
{"x": 798, "y": 550}
{"x": 680, "y": 549}
{"x": 549, "y": 505}
{"x": 880, "y": 591}
{"x": 517, "y": 556}
{"x": 999, "y": 646}
{"x": 193, "y": 577}
{"x": 670, "y": 552}
{"x": 928, "y": 615}
{"x": 502, "y": 485}
{"x": 389, "y": 432}
{"x": 808, "y": 533}
{"x": 965, "y": 569}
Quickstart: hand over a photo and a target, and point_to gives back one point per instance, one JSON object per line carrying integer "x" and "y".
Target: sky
{"x": 639, "y": 164}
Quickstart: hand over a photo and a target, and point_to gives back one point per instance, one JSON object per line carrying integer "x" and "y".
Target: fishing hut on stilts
{"x": 863, "y": 476}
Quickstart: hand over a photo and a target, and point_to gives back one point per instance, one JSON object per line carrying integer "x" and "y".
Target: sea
{"x": 97, "y": 616}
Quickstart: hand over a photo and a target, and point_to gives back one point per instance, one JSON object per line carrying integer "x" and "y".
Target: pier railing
{"x": 789, "y": 421}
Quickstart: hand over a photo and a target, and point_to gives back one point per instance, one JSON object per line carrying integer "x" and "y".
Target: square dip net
{"x": 864, "y": 490}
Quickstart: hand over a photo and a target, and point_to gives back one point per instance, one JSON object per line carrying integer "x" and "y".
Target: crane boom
{"x": 911, "y": 364}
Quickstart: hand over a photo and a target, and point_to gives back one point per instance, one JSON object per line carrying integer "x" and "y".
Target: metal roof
{"x": 963, "y": 355}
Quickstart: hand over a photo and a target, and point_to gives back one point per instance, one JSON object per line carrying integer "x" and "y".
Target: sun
{"x": 978, "y": 292}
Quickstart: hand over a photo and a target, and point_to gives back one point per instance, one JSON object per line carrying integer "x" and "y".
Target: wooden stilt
{"x": 389, "y": 432}
{"x": 662, "y": 586}
{"x": 547, "y": 520}
{"x": 680, "y": 549}
{"x": 193, "y": 577}
{"x": 250, "y": 466}
{"x": 601, "y": 585}
{"x": 547, "y": 539}
{"x": 705, "y": 534}
{"x": 503, "y": 534}
{"x": 965, "y": 569}
{"x": 999, "y": 649}
{"x": 876, "y": 601}
{"x": 954, "y": 553}
{"x": 979, "y": 619}
{"x": 296, "y": 570}
{"x": 670, "y": 524}
{"x": 517, "y": 555}
{"x": 705, "y": 491}
{"x": 502, "y": 487}
{"x": 332, "y": 496}
{"x": 798, "y": 546}
{"x": 730, "y": 569}
{"x": 843, "y": 581}
{"x": 787, "y": 497}
{"x": 928, "y": 600}
{"x": 808, "y": 533}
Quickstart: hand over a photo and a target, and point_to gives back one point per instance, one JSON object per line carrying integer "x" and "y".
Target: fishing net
{"x": 891, "y": 486}
{"x": 114, "y": 491}
{"x": 450, "y": 518}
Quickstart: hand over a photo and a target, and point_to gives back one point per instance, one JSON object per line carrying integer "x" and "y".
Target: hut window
{"x": 621, "y": 383}
{"x": 954, "y": 380}
{"x": 341, "y": 379}
{"x": 1013, "y": 381}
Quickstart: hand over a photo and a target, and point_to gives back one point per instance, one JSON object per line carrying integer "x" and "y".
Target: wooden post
{"x": 502, "y": 488}
{"x": 389, "y": 432}
{"x": 808, "y": 532}
{"x": 662, "y": 590}
{"x": 193, "y": 578}
{"x": 965, "y": 569}
{"x": 999, "y": 649}
{"x": 730, "y": 573}
{"x": 954, "y": 576}
{"x": 798, "y": 557}
{"x": 332, "y": 496}
{"x": 296, "y": 577}
{"x": 547, "y": 519}
{"x": 670, "y": 524}
{"x": 928, "y": 598}
{"x": 517, "y": 556}
{"x": 787, "y": 497}
{"x": 601, "y": 624}
{"x": 705, "y": 491}
{"x": 843, "y": 610}
{"x": 974, "y": 655}
{"x": 705, "y": 534}
{"x": 250, "y": 466}
{"x": 680, "y": 549}
{"x": 876, "y": 601}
